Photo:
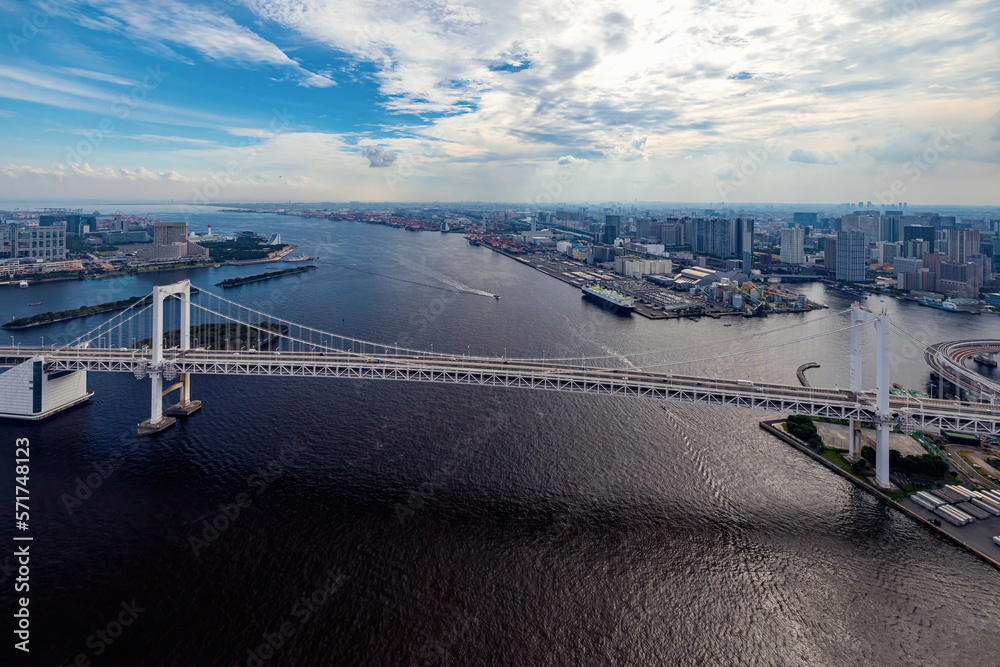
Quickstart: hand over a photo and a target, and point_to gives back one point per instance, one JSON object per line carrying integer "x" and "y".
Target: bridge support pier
{"x": 185, "y": 406}
{"x": 157, "y": 420}
{"x": 882, "y": 454}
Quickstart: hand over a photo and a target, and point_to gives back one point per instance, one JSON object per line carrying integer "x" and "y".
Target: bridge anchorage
{"x": 174, "y": 335}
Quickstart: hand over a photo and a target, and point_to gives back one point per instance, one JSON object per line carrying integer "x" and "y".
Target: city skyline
{"x": 270, "y": 101}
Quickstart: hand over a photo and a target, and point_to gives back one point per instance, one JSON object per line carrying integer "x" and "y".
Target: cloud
{"x": 85, "y": 170}
{"x": 378, "y": 156}
{"x": 168, "y": 24}
{"x": 101, "y": 76}
{"x": 809, "y": 157}
{"x": 517, "y": 86}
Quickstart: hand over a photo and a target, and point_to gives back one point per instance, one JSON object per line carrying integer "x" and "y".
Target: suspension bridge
{"x": 173, "y": 335}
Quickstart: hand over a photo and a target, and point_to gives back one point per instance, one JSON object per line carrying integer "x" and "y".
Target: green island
{"x": 236, "y": 282}
{"x": 224, "y": 336}
{"x": 60, "y": 315}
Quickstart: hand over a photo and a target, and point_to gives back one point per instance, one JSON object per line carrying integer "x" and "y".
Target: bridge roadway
{"x": 948, "y": 361}
{"x": 908, "y": 412}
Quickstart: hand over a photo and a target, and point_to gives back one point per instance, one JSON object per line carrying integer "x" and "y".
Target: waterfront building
{"x": 170, "y": 242}
{"x": 959, "y": 279}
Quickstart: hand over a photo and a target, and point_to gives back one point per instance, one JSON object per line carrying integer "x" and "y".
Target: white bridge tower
{"x": 158, "y": 418}
{"x": 884, "y": 420}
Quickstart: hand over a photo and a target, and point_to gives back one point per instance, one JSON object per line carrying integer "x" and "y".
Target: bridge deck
{"x": 832, "y": 403}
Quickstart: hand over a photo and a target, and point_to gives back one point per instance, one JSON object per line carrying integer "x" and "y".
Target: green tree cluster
{"x": 802, "y": 427}
{"x": 926, "y": 465}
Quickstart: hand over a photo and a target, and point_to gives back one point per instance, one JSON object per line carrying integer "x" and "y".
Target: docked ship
{"x": 940, "y": 305}
{"x": 606, "y": 297}
{"x": 298, "y": 258}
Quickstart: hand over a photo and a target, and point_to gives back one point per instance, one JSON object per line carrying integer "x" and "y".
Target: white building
{"x": 634, "y": 267}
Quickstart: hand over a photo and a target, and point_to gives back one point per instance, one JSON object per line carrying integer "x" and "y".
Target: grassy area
{"x": 834, "y": 455}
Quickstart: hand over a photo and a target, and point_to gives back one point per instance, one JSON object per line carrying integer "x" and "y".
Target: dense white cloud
{"x": 633, "y": 99}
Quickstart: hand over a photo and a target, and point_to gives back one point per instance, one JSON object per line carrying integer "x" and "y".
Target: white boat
{"x": 298, "y": 258}
{"x": 23, "y": 284}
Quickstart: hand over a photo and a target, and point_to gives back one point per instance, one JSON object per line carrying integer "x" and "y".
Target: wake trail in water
{"x": 447, "y": 280}
{"x": 454, "y": 288}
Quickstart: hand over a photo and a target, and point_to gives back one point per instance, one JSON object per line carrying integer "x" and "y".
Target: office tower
{"x": 851, "y": 260}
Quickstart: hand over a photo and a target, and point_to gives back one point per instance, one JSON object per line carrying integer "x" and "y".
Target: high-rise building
{"x": 890, "y": 228}
{"x": 864, "y": 221}
{"x": 919, "y": 233}
{"x": 672, "y": 234}
{"x": 608, "y": 234}
{"x": 792, "y": 242}
{"x": 724, "y": 238}
{"x": 851, "y": 256}
{"x": 614, "y": 221}
{"x": 962, "y": 244}
{"x": 165, "y": 233}
{"x": 830, "y": 253}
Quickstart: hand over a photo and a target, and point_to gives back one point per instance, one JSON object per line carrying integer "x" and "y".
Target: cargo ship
{"x": 298, "y": 258}
{"x": 606, "y": 297}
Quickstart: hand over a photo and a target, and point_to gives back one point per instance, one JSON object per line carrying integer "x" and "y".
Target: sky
{"x": 535, "y": 101}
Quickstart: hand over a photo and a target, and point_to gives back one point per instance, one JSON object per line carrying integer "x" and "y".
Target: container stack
{"x": 985, "y": 502}
{"x": 927, "y": 500}
{"x": 973, "y": 511}
{"x": 948, "y": 495}
{"x": 958, "y": 505}
{"x": 953, "y": 516}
